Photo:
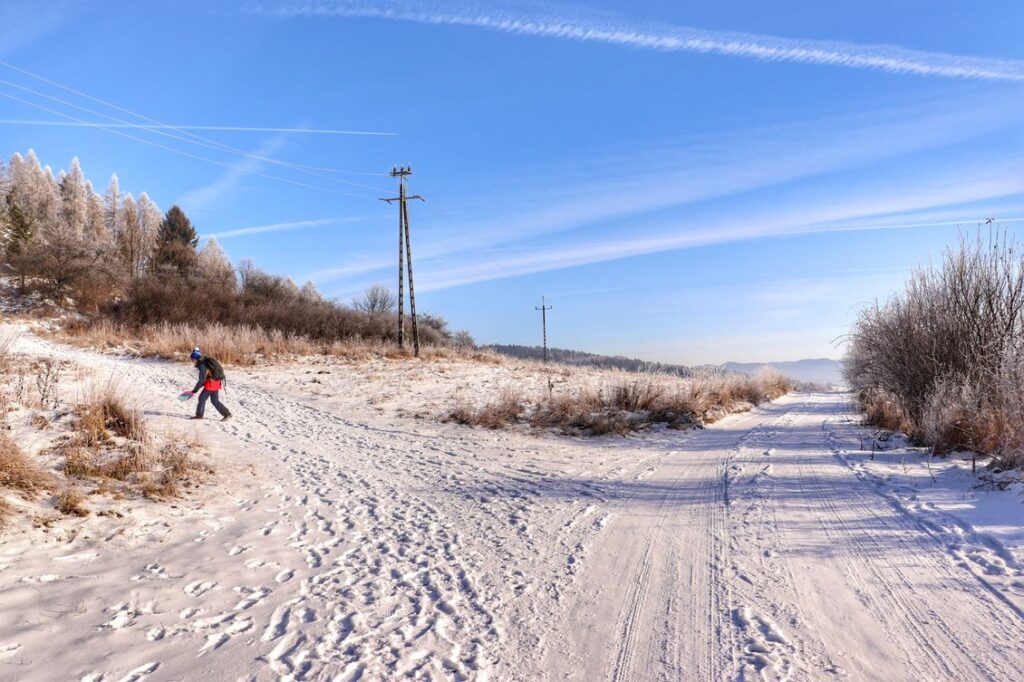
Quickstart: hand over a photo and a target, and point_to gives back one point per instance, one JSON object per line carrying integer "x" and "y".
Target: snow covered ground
{"x": 344, "y": 539}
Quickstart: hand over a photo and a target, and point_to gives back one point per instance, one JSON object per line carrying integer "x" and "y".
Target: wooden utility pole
{"x": 402, "y": 172}
{"x": 544, "y": 322}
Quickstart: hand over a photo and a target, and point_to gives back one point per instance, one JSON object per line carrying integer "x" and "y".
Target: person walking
{"x": 211, "y": 380}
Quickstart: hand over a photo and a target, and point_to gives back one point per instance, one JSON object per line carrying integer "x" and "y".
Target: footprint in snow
{"x": 198, "y": 588}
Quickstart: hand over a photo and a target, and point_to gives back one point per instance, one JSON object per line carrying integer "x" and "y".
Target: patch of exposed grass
{"x": 69, "y": 502}
{"x": 506, "y": 410}
{"x": 18, "y": 473}
{"x": 103, "y": 415}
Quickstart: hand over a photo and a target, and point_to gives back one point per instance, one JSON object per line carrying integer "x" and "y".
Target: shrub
{"x": 942, "y": 359}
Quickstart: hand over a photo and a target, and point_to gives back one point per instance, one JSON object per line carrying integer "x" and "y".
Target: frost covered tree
{"x": 376, "y": 300}
{"x": 5, "y": 190}
{"x": 95, "y": 225}
{"x": 150, "y": 218}
{"x": 309, "y": 292}
{"x": 128, "y": 239}
{"x": 33, "y": 189}
{"x": 74, "y": 198}
{"x": 112, "y": 206}
{"x": 214, "y": 267}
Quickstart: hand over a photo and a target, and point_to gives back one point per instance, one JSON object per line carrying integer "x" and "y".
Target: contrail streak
{"x": 145, "y": 126}
{"x": 280, "y": 227}
{"x": 618, "y": 30}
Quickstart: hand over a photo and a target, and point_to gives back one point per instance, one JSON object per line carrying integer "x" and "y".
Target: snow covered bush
{"x": 942, "y": 359}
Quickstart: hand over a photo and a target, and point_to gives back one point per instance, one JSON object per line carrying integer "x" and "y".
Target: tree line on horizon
{"x": 117, "y": 257}
{"x": 584, "y": 359}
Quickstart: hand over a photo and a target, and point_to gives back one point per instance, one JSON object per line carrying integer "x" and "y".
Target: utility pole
{"x": 544, "y": 321}
{"x": 402, "y": 172}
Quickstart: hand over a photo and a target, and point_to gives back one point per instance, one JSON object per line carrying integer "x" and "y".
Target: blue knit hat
{"x": 196, "y": 353}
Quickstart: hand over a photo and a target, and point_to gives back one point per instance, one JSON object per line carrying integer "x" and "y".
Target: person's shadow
{"x": 158, "y": 413}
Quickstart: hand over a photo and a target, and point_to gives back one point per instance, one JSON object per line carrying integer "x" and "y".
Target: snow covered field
{"x": 344, "y": 539}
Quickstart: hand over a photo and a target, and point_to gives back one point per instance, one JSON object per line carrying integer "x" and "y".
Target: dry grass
{"x": 506, "y": 410}
{"x": 175, "y": 467}
{"x": 18, "y": 473}
{"x": 155, "y": 472}
{"x": 102, "y": 416}
{"x": 7, "y": 339}
{"x": 111, "y": 442}
{"x": 245, "y": 344}
{"x": 628, "y": 406}
{"x": 69, "y": 502}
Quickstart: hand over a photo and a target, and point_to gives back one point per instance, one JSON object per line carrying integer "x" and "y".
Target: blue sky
{"x": 686, "y": 182}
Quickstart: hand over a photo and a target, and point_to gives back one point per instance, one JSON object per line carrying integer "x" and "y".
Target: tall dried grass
{"x": 103, "y": 415}
{"x": 240, "y": 344}
{"x": 19, "y": 474}
{"x": 7, "y": 338}
{"x": 113, "y": 442}
{"x": 628, "y": 405}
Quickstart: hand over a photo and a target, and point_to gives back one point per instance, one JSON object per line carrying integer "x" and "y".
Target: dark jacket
{"x": 206, "y": 379}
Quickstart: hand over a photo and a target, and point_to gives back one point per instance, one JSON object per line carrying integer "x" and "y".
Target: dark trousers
{"x": 214, "y": 397}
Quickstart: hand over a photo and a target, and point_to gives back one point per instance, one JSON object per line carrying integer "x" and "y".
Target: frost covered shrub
{"x": 623, "y": 407}
{"x": 942, "y": 359}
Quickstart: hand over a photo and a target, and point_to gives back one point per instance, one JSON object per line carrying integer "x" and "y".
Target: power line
{"x": 230, "y": 129}
{"x": 116, "y": 107}
{"x": 181, "y": 152}
{"x": 186, "y": 137}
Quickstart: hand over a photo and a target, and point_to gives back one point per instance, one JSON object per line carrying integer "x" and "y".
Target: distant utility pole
{"x": 402, "y": 172}
{"x": 544, "y": 322}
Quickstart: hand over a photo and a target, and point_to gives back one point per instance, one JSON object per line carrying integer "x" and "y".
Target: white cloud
{"x": 280, "y": 227}
{"x": 202, "y": 197}
{"x": 866, "y": 208}
{"x": 23, "y": 22}
{"x": 167, "y": 126}
{"x": 617, "y": 30}
{"x": 686, "y": 173}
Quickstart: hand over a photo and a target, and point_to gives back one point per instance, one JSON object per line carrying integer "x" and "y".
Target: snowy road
{"x": 754, "y": 550}
{"x": 379, "y": 547}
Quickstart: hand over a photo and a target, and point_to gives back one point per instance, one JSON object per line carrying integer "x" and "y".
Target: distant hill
{"x": 580, "y": 358}
{"x": 817, "y": 370}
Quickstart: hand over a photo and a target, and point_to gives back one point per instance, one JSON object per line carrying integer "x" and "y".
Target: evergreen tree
{"x": 20, "y": 231}
{"x": 19, "y": 234}
{"x": 176, "y": 242}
